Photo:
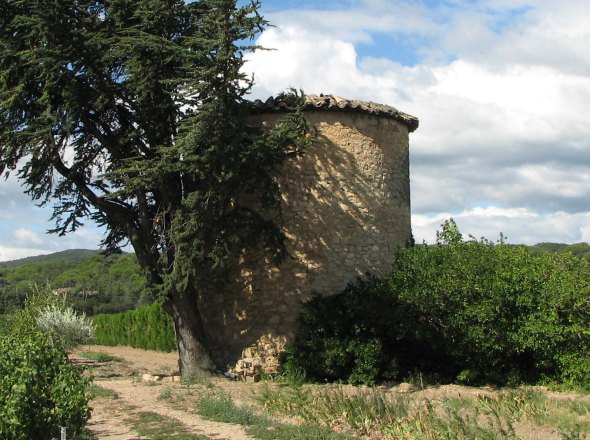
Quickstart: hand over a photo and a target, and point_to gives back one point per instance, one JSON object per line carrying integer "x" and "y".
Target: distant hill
{"x": 74, "y": 255}
{"x": 580, "y": 250}
{"x": 94, "y": 283}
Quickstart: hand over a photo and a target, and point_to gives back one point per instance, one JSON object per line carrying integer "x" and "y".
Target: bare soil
{"x": 111, "y": 417}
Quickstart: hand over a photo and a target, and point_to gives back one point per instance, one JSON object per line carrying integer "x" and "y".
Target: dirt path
{"x": 143, "y": 398}
{"x": 131, "y": 397}
{"x": 106, "y": 421}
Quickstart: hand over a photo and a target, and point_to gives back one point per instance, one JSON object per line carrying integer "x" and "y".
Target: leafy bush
{"x": 41, "y": 391}
{"x": 147, "y": 327}
{"x": 354, "y": 336}
{"x": 23, "y": 321}
{"x": 48, "y": 312}
{"x": 473, "y": 311}
{"x": 65, "y": 326}
{"x": 500, "y": 312}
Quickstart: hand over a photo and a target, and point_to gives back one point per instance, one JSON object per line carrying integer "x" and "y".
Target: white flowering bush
{"x": 65, "y": 326}
{"x": 48, "y": 312}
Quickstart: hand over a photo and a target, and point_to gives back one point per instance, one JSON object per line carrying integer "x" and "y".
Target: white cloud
{"x": 8, "y": 253}
{"x": 357, "y": 24}
{"x": 549, "y": 33}
{"x": 519, "y": 225}
{"x": 26, "y": 237}
{"x": 502, "y": 124}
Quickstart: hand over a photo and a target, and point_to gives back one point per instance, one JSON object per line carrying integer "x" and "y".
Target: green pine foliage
{"x": 134, "y": 115}
{"x": 41, "y": 390}
{"x": 472, "y": 311}
{"x": 148, "y": 327}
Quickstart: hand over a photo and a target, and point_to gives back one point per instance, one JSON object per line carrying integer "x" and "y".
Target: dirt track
{"x": 110, "y": 417}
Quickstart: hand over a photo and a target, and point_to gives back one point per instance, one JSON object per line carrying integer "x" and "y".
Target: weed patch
{"x": 222, "y": 409}
{"x": 99, "y": 356}
{"x": 532, "y": 406}
{"x": 165, "y": 394}
{"x": 366, "y": 412}
{"x": 96, "y": 391}
{"x": 158, "y": 427}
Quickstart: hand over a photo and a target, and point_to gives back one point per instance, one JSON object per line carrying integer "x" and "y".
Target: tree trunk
{"x": 195, "y": 361}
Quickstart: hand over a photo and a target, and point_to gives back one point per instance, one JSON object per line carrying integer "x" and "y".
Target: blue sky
{"x": 501, "y": 88}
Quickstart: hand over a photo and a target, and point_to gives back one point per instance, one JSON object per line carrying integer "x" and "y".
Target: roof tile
{"x": 337, "y": 103}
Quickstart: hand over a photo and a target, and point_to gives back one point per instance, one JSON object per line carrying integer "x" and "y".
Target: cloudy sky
{"x": 501, "y": 88}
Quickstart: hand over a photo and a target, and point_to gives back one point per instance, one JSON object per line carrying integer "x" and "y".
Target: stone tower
{"x": 346, "y": 208}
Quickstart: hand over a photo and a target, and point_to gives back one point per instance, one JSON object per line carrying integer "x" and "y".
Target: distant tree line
{"x": 580, "y": 250}
{"x": 93, "y": 283}
{"x": 96, "y": 284}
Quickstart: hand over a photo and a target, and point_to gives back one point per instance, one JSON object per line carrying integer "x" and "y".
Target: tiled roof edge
{"x": 336, "y": 103}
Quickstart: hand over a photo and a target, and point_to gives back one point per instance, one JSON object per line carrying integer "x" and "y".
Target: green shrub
{"x": 473, "y": 311}
{"x": 41, "y": 390}
{"x": 497, "y": 310}
{"x": 362, "y": 335}
{"x": 23, "y": 321}
{"x": 148, "y": 327}
{"x": 49, "y": 313}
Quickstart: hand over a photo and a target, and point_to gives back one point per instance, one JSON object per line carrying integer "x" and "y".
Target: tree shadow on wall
{"x": 337, "y": 211}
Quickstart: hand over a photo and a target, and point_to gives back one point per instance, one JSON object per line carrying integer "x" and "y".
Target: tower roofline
{"x": 337, "y": 104}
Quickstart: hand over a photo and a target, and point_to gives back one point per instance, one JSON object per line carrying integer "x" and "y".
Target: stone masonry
{"x": 346, "y": 208}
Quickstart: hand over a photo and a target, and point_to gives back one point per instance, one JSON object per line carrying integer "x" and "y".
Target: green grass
{"x": 533, "y": 406}
{"x": 366, "y": 412}
{"x": 283, "y": 431}
{"x": 429, "y": 420}
{"x": 99, "y": 356}
{"x": 96, "y": 391}
{"x": 158, "y": 427}
{"x": 165, "y": 394}
{"x": 361, "y": 412}
{"x": 221, "y": 408}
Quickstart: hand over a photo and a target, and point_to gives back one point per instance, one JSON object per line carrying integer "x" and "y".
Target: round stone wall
{"x": 346, "y": 208}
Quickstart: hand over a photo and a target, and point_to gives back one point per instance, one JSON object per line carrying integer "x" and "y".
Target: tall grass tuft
{"x": 221, "y": 408}
{"x": 365, "y": 412}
